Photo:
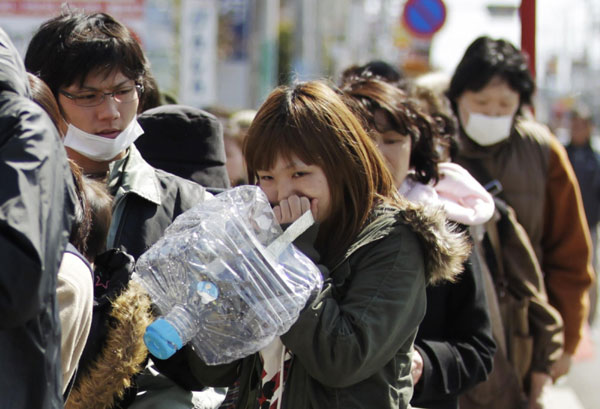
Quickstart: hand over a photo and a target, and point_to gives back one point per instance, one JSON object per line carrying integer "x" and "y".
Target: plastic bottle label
{"x": 207, "y": 291}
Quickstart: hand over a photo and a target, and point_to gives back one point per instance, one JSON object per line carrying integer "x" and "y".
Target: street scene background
{"x": 231, "y": 53}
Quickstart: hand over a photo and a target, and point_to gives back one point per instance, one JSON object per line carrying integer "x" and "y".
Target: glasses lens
{"x": 89, "y": 99}
{"x": 127, "y": 94}
{"x": 92, "y": 99}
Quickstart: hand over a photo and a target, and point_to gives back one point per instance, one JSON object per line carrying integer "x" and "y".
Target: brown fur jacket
{"x": 122, "y": 355}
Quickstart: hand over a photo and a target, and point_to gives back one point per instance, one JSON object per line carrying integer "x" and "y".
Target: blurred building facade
{"x": 231, "y": 53}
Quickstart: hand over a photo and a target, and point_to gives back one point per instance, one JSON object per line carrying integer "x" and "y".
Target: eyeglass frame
{"x": 138, "y": 87}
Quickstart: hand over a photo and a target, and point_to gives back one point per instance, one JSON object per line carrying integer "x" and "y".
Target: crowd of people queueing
{"x": 451, "y": 234}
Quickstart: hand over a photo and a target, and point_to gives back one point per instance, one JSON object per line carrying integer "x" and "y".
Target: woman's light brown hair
{"x": 310, "y": 121}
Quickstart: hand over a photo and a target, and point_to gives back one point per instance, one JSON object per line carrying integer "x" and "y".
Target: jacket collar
{"x": 133, "y": 174}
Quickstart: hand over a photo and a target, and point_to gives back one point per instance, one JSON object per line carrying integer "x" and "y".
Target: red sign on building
{"x": 120, "y": 8}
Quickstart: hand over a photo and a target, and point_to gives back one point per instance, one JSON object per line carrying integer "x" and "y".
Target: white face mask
{"x": 488, "y": 130}
{"x": 99, "y": 148}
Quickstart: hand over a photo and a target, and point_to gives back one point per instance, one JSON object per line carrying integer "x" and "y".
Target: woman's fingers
{"x": 290, "y": 209}
{"x": 286, "y": 213}
{"x": 295, "y": 207}
{"x": 304, "y": 205}
{"x": 277, "y": 211}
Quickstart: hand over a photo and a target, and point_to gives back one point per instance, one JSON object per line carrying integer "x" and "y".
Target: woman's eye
{"x": 265, "y": 177}
{"x": 300, "y": 174}
{"x": 391, "y": 141}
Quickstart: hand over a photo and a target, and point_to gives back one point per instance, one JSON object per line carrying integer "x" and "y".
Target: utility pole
{"x": 307, "y": 56}
{"x": 263, "y": 49}
{"x": 527, "y": 11}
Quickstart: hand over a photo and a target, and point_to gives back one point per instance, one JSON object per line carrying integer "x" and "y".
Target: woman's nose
{"x": 284, "y": 190}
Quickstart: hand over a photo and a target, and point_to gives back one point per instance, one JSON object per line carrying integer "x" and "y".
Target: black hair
{"x": 67, "y": 48}
{"x": 444, "y": 121}
{"x": 376, "y": 69}
{"x": 486, "y": 58}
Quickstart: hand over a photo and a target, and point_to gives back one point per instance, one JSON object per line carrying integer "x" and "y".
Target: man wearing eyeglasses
{"x": 99, "y": 76}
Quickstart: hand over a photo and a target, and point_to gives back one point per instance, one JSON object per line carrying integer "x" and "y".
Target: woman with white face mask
{"x": 490, "y": 89}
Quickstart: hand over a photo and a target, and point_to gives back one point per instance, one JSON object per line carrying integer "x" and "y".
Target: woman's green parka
{"x": 352, "y": 344}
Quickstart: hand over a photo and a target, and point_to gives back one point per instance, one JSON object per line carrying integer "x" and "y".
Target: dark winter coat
{"x": 146, "y": 201}
{"x": 458, "y": 312}
{"x": 352, "y": 345}
{"x": 586, "y": 164}
{"x": 37, "y": 202}
{"x": 115, "y": 351}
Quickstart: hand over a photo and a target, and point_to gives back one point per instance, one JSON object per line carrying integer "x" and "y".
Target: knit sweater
{"x": 75, "y": 294}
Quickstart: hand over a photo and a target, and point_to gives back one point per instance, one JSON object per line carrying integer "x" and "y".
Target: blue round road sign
{"x": 424, "y": 17}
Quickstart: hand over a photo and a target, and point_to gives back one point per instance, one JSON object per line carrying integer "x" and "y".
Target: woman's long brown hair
{"x": 366, "y": 96}
{"x": 310, "y": 121}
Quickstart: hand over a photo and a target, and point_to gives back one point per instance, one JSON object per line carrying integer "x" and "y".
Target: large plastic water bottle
{"x": 167, "y": 335}
{"x": 226, "y": 278}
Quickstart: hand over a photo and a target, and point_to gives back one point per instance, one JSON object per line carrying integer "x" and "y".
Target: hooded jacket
{"x": 37, "y": 201}
{"x": 352, "y": 344}
{"x": 455, "y": 337}
{"x": 115, "y": 351}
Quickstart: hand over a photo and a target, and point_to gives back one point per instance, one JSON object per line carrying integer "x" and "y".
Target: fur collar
{"x": 445, "y": 244}
{"x": 122, "y": 357}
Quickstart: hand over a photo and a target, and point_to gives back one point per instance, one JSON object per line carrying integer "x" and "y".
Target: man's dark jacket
{"x": 586, "y": 164}
{"x": 36, "y": 207}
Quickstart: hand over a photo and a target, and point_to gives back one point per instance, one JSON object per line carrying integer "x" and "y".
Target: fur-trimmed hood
{"x": 123, "y": 355}
{"x": 445, "y": 245}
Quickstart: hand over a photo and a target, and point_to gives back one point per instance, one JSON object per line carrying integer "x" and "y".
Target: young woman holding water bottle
{"x": 351, "y": 346}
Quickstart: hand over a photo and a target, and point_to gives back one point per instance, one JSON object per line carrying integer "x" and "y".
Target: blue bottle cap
{"x": 161, "y": 339}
